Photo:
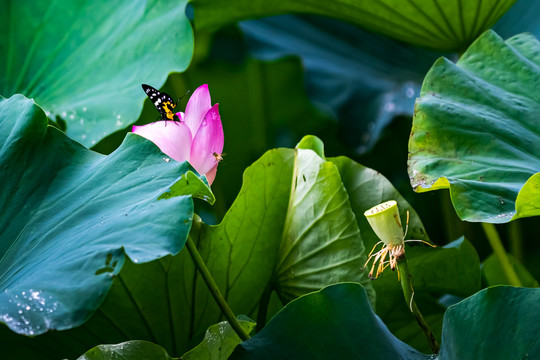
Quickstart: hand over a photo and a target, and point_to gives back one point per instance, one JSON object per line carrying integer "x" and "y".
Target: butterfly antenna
{"x": 181, "y": 97}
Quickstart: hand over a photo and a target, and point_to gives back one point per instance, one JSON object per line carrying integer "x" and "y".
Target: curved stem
{"x": 515, "y": 238}
{"x": 498, "y": 249}
{"x": 214, "y": 290}
{"x": 408, "y": 292}
{"x": 263, "y": 307}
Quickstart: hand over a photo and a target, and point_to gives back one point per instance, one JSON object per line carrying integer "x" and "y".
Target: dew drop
{"x": 409, "y": 92}
{"x": 389, "y": 107}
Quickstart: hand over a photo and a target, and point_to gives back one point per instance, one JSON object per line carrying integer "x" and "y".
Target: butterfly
{"x": 162, "y": 101}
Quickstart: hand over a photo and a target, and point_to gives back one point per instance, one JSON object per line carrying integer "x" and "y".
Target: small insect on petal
{"x": 218, "y": 157}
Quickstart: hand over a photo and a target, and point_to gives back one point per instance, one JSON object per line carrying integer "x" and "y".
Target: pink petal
{"x": 199, "y": 103}
{"x": 180, "y": 115}
{"x": 172, "y": 137}
{"x": 207, "y": 142}
{"x": 211, "y": 175}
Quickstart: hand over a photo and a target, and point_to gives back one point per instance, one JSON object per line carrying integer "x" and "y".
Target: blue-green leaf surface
{"x": 291, "y": 230}
{"x": 85, "y": 61}
{"x": 69, "y": 216}
{"x": 476, "y": 130}
{"x": 338, "y": 323}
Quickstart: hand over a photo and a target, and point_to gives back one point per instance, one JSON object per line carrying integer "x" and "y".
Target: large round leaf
{"x": 334, "y": 323}
{"x": 70, "y": 215}
{"x": 476, "y": 130}
{"x": 218, "y": 344}
{"x": 291, "y": 230}
{"x": 84, "y": 61}
{"x": 446, "y": 25}
{"x": 496, "y": 323}
{"x": 338, "y": 323}
{"x": 129, "y": 350}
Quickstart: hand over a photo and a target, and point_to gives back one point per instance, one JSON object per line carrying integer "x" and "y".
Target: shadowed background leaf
{"x": 84, "y": 62}
{"x": 449, "y": 26}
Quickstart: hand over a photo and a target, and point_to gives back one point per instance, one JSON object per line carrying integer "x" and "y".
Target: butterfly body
{"x": 162, "y": 101}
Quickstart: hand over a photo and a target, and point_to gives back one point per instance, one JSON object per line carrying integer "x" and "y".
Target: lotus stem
{"x": 408, "y": 292}
{"x": 214, "y": 290}
{"x": 498, "y": 248}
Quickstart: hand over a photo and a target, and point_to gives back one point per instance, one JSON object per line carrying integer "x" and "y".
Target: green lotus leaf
{"x": 493, "y": 272}
{"x": 70, "y": 216}
{"x": 512, "y": 334}
{"x": 290, "y": 231}
{"x": 338, "y": 323}
{"x": 129, "y": 350}
{"x": 367, "y": 188}
{"x": 528, "y": 198}
{"x": 476, "y": 130}
{"x": 441, "y": 25}
{"x": 219, "y": 342}
{"x": 84, "y": 62}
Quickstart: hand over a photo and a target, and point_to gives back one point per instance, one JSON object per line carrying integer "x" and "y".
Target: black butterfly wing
{"x": 161, "y": 100}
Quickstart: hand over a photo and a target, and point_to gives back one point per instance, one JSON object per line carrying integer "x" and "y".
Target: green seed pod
{"x": 386, "y": 223}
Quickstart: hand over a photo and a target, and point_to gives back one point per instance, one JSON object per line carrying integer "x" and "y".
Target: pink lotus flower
{"x": 197, "y": 137}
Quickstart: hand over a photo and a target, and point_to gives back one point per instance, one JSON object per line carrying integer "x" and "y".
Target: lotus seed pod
{"x": 386, "y": 223}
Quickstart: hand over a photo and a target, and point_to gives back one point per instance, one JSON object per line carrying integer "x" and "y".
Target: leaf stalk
{"x": 214, "y": 290}
{"x": 408, "y": 292}
{"x": 498, "y": 248}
